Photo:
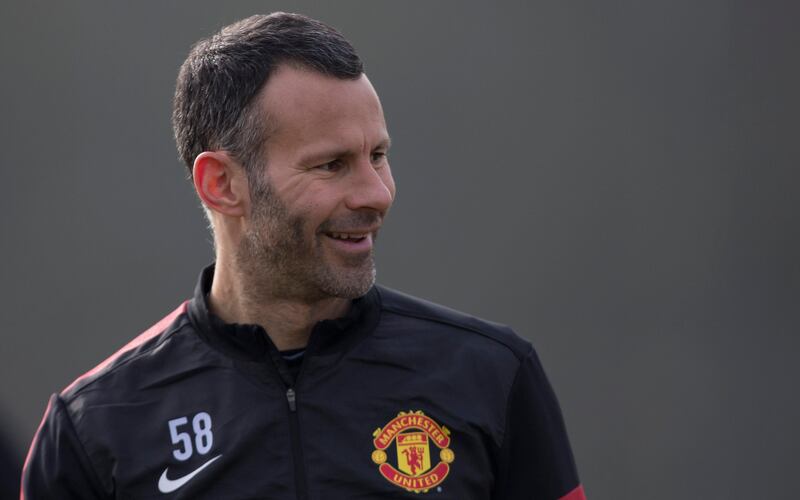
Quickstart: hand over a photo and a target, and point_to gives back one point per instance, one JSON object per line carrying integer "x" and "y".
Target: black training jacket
{"x": 399, "y": 399}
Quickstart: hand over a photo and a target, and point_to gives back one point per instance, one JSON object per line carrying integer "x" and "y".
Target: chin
{"x": 349, "y": 284}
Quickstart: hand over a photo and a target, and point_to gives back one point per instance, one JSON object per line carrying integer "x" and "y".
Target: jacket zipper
{"x": 297, "y": 452}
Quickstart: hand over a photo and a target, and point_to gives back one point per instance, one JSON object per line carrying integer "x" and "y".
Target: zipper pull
{"x": 291, "y": 397}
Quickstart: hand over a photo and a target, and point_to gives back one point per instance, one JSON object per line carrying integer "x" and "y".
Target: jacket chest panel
{"x": 223, "y": 437}
{"x": 439, "y": 448}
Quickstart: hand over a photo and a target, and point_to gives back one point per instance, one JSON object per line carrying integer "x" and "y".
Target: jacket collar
{"x": 251, "y": 343}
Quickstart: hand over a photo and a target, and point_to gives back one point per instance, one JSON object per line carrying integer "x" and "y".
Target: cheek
{"x": 312, "y": 214}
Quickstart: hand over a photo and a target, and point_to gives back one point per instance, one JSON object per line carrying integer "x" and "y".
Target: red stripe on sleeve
{"x": 33, "y": 443}
{"x": 151, "y": 332}
{"x": 576, "y": 494}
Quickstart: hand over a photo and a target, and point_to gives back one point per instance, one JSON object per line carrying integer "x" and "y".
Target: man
{"x": 290, "y": 374}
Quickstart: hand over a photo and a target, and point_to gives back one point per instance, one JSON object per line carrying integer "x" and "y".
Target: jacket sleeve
{"x": 57, "y": 465}
{"x": 535, "y": 461}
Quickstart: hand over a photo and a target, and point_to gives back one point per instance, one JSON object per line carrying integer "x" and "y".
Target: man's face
{"x": 326, "y": 187}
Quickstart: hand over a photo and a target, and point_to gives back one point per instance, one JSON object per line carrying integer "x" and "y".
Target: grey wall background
{"x": 617, "y": 180}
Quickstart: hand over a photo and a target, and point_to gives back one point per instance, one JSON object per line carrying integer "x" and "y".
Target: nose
{"x": 371, "y": 187}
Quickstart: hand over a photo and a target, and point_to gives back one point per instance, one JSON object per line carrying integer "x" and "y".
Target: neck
{"x": 288, "y": 321}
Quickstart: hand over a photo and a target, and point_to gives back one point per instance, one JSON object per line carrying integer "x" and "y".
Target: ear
{"x": 221, "y": 183}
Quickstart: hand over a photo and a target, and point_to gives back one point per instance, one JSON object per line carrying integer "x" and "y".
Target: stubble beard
{"x": 277, "y": 258}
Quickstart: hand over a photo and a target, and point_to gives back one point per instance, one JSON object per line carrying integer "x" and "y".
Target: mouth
{"x": 351, "y": 241}
{"x": 354, "y": 237}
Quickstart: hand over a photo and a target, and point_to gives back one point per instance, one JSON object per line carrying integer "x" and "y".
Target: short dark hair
{"x": 215, "y": 106}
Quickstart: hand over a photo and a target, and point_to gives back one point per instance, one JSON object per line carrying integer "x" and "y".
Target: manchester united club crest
{"x": 416, "y": 439}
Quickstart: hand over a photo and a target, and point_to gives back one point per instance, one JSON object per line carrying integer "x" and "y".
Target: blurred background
{"x": 616, "y": 180}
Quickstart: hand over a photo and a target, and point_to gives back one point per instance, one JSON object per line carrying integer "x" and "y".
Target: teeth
{"x": 347, "y": 236}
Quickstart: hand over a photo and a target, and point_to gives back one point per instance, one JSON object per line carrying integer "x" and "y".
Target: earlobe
{"x": 218, "y": 182}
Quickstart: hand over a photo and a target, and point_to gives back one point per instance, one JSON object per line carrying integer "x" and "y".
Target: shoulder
{"x": 428, "y": 315}
{"x": 125, "y": 360}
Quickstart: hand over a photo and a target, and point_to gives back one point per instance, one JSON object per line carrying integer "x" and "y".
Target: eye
{"x": 331, "y": 166}
{"x": 378, "y": 156}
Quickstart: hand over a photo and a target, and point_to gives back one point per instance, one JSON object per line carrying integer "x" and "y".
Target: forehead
{"x": 308, "y": 110}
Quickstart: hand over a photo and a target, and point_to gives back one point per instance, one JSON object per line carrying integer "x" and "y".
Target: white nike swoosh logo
{"x": 167, "y": 485}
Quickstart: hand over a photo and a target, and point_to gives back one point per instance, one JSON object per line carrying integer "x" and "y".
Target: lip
{"x": 353, "y": 230}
